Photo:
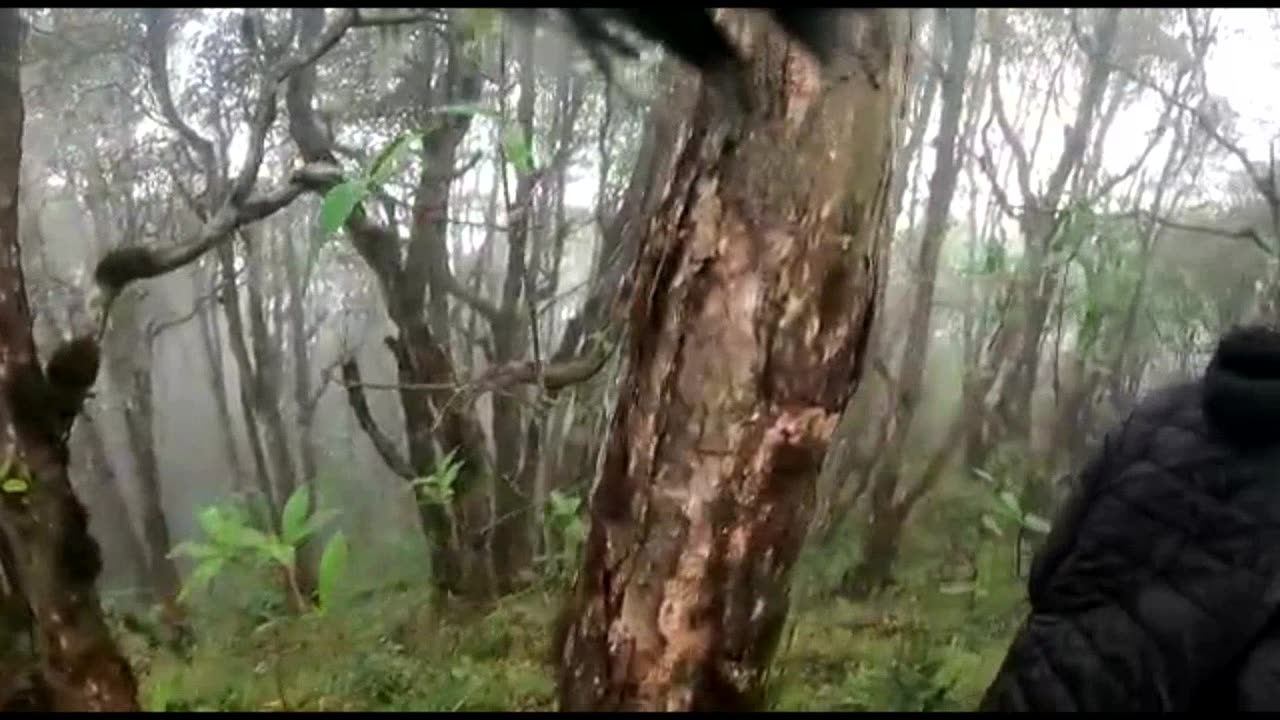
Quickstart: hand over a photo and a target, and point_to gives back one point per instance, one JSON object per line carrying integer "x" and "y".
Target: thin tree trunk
{"x": 959, "y": 24}
{"x": 211, "y": 338}
{"x": 511, "y": 551}
{"x": 1040, "y": 224}
{"x": 244, "y": 371}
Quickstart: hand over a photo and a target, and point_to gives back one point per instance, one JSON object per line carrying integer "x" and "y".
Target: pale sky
{"x": 1243, "y": 67}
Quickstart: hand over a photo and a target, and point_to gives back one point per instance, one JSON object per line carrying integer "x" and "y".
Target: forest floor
{"x": 914, "y": 648}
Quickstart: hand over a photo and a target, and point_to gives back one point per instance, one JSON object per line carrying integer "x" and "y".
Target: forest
{"x": 423, "y": 359}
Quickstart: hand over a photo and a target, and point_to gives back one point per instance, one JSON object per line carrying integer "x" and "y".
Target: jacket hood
{"x": 1242, "y": 387}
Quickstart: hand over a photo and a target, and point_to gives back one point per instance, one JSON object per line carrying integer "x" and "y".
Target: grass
{"x": 915, "y": 648}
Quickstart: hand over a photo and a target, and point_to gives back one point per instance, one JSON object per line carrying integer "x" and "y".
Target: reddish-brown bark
{"x": 753, "y": 294}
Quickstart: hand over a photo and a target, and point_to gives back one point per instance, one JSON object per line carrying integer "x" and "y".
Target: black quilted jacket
{"x": 1159, "y": 585}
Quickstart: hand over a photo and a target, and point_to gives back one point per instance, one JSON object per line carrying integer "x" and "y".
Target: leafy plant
{"x": 567, "y": 528}
{"x": 341, "y": 200}
{"x": 438, "y": 488}
{"x": 232, "y": 540}
{"x": 1004, "y": 505}
{"x": 332, "y": 571}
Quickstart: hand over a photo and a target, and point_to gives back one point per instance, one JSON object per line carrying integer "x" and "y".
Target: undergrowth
{"x": 381, "y": 640}
{"x": 913, "y": 648}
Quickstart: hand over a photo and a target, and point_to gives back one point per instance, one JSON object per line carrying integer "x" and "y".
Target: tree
{"x": 752, "y": 298}
{"x": 49, "y": 555}
{"x": 889, "y": 512}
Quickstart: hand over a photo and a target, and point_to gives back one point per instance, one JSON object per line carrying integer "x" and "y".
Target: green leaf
{"x": 14, "y": 486}
{"x": 280, "y": 553}
{"x": 1010, "y": 501}
{"x": 519, "y": 149}
{"x": 316, "y": 521}
{"x": 199, "y": 551}
{"x": 339, "y": 203}
{"x": 332, "y": 570}
{"x": 210, "y": 520}
{"x": 246, "y": 536}
{"x": 1035, "y": 523}
{"x": 992, "y": 526}
{"x": 202, "y": 576}
{"x": 385, "y": 164}
{"x": 294, "y": 516}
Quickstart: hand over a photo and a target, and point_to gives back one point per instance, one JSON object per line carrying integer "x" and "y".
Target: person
{"x": 1158, "y": 586}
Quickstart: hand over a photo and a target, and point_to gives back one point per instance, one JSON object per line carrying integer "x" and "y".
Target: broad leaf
{"x": 14, "y": 486}
{"x": 199, "y": 551}
{"x": 992, "y": 526}
{"x": 202, "y": 576}
{"x": 294, "y": 516}
{"x": 519, "y": 150}
{"x": 1035, "y": 523}
{"x": 281, "y": 553}
{"x": 1010, "y": 501}
{"x": 315, "y": 522}
{"x": 385, "y": 164}
{"x": 333, "y": 570}
{"x": 339, "y": 203}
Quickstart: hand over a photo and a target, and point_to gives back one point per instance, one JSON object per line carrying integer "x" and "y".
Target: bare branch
{"x": 216, "y": 230}
{"x": 997, "y": 106}
{"x": 1208, "y": 126}
{"x": 1249, "y": 233}
{"x": 360, "y": 407}
{"x": 1052, "y": 102}
{"x": 158, "y": 22}
{"x": 1109, "y": 184}
{"x": 348, "y": 19}
{"x": 553, "y": 376}
{"x": 156, "y": 329}
{"x": 988, "y": 169}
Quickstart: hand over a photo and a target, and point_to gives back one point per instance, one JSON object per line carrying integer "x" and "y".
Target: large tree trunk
{"x": 752, "y": 302}
{"x": 44, "y": 527}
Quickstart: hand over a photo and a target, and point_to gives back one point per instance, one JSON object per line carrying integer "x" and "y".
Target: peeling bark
{"x": 754, "y": 293}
